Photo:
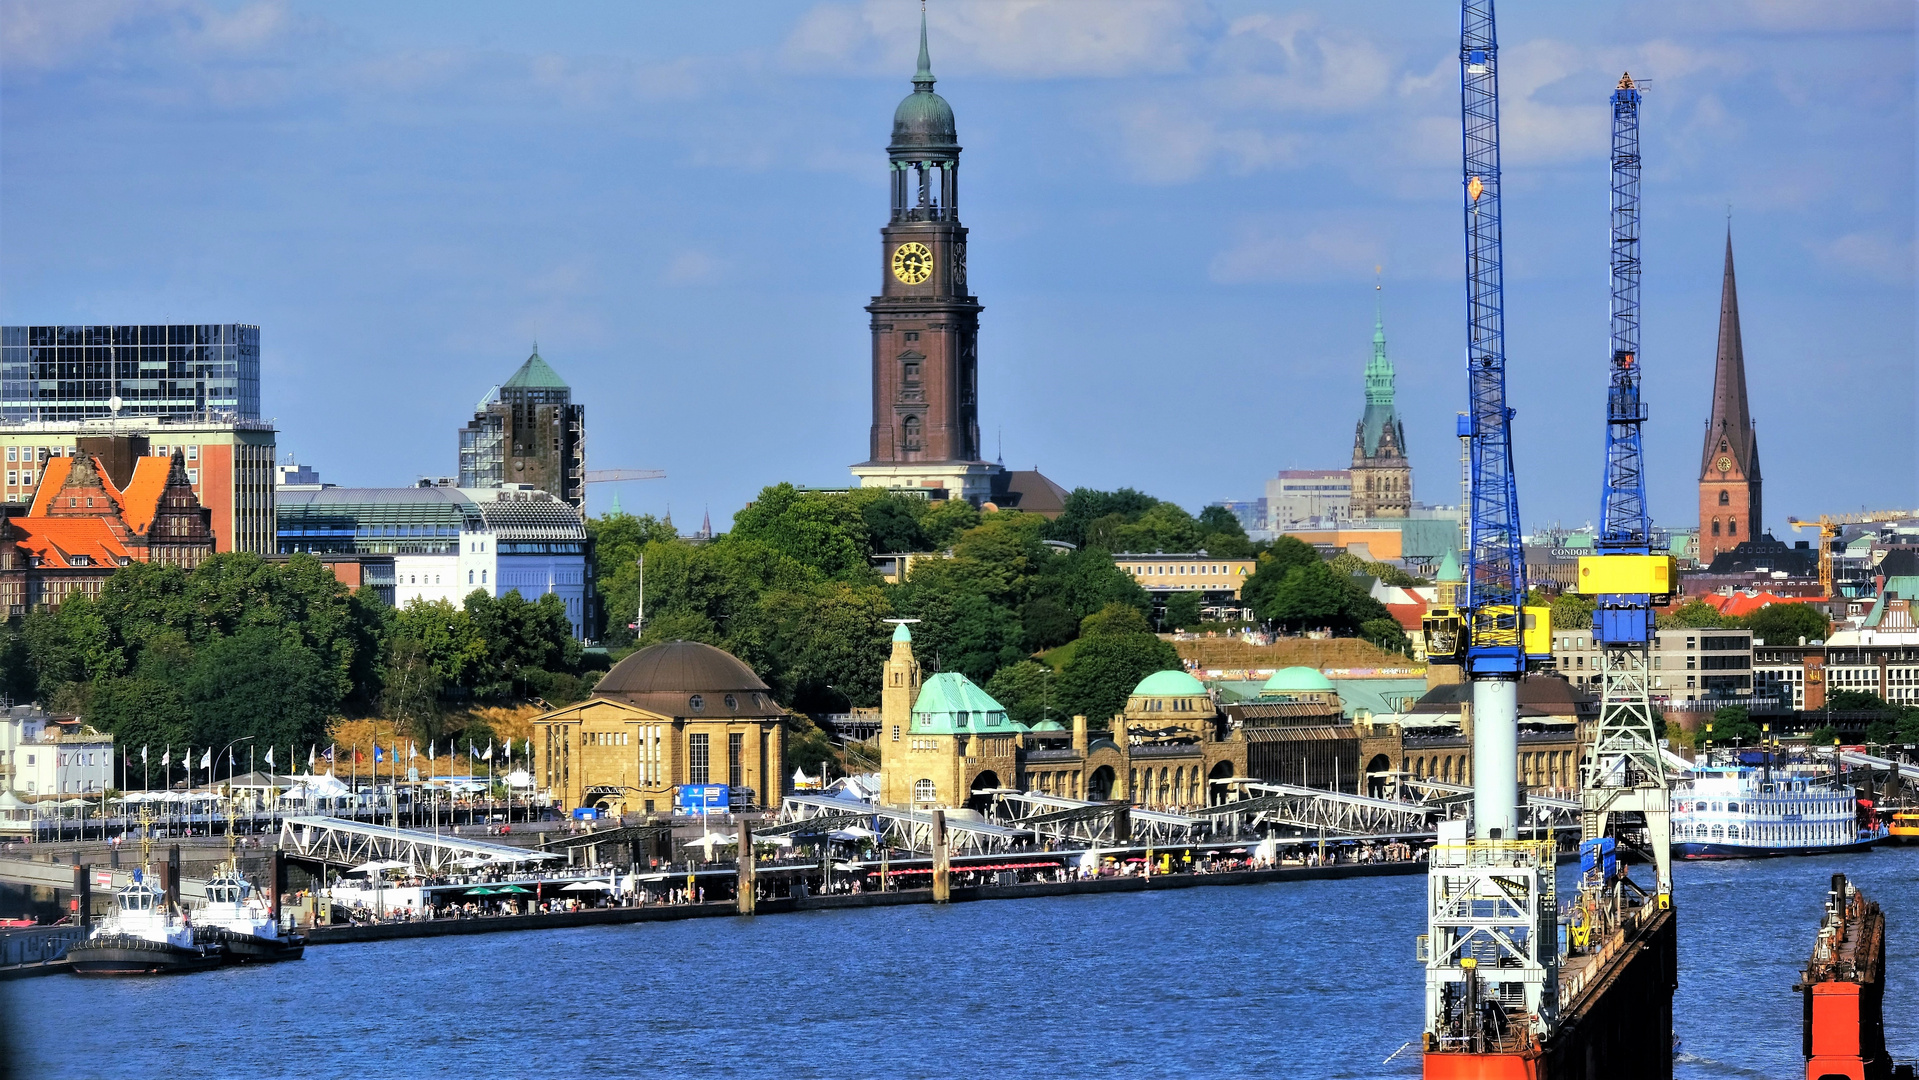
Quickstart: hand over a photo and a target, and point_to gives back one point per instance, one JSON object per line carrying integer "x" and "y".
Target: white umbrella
{"x": 519, "y": 778}
{"x": 776, "y": 840}
{"x": 474, "y": 861}
{"x": 710, "y": 839}
{"x": 375, "y": 866}
{"x": 589, "y": 886}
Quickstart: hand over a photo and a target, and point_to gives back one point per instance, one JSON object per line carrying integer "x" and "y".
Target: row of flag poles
{"x": 315, "y": 756}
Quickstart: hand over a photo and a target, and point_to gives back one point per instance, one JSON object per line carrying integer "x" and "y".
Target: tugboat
{"x": 142, "y": 937}
{"x": 235, "y": 921}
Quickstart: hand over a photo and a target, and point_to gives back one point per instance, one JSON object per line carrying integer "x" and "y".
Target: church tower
{"x": 1382, "y": 475}
{"x": 925, "y": 432}
{"x": 1729, "y": 484}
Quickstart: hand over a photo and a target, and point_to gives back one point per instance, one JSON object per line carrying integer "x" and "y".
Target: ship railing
{"x": 1495, "y": 853}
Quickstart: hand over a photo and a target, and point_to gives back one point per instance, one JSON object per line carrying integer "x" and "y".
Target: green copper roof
{"x": 1379, "y": 385}
{"x": 924, "y": 121}
{"x": 1049, "y": 725}
{"x": 1168, "y": 684}
{"x": 536, "y": 374}
{"x": 901, "y": 633}
{"x": 1297, "y": 680}
{"x": 1449, "y": 568}
{"x": 949, "y": 704}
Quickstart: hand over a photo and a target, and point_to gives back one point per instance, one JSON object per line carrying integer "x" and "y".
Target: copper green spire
{"x": 1379, "y": 383}
{"x": 923, "y": 78}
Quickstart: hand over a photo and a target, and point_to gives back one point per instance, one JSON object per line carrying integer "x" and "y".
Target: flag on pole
{"x": 313, "y": 755}
{"x": 429, "y": 753}
{"x": 488, "y": 756}
{"x": 143, "y": 755}
{"x": 206, "y": 759}
{"x": 376, "y": 754}
{"x": 473, "y": 750}
{"x": 269, "y": 757}
{"x": 166, "y": 759}
{"x": 412, "y": 751}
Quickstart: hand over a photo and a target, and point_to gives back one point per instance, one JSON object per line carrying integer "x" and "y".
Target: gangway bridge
{"x": 337, "y": 842}
{"x": 910, "y": 830}
{"x": 1062, "y": 819}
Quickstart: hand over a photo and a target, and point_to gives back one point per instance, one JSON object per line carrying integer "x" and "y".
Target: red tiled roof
{"x": 1740, "y": 604}
{"x": 1409, "y": 616}
{"x": 53, "y": 477}
{"x": 141, "y": 501}
{"x": 57, "y": 540}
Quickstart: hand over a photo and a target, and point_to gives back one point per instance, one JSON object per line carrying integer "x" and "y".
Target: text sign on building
{"x": 703, "y": 798}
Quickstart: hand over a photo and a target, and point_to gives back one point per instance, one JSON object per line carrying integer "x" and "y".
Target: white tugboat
{"x": 241, "y": 925}
{"x": 145, "y": 935}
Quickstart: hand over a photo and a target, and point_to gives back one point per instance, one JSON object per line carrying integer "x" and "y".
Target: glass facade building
{"x": 64, "y": 373}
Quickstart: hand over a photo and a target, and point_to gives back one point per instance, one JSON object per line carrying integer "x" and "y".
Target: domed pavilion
{"x": 676, "y": 713}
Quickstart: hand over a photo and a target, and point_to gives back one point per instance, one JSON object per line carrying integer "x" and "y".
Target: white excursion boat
{"x": 143, "y": 936}
{"x": 1755, "y": 812}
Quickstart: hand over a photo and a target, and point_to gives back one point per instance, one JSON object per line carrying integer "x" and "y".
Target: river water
{"x": 1303, "y": 979}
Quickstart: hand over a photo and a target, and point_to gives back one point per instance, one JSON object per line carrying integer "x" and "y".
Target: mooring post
{"x": 173, "y": 876}
{"x": 942, "y": 889}
{"x": 743, "y": 891}
{"x": 83, "y": 895}
{"x": 277, "y": 875}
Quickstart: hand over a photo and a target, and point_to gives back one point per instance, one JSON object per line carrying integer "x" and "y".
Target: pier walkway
{"x": 339, "y": 842}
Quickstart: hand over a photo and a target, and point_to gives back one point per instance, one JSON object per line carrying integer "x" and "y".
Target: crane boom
{"x": 1830, "y": 526}
{"x": 1624, "y": 523}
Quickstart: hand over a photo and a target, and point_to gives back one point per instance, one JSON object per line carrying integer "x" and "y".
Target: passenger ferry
{"x": 1905, "y": 826}
{"x": 1753, "y": 812}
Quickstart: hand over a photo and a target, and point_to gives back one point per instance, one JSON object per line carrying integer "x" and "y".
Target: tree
{"x": 1308, "y": 596}
{"x": 1221, "y": 534}
{"x": 1104, "y": 669}
{"x": 822, "y": 647}
{"x": 821, "y": 530}
{"x": 1027, "y": 689}
{"x": 1385, "y": 633}
{"x": 960, "y": 628}
{"x": 619, "y": 540}
{"x": 1286, "y": 554}
{"x": 1734, "y": 722}
{"x": 1114, "y": 619}
{"x": 943, "y": 522}
{"x": 1823, "y": 736}
{"x": 808, "y": 747}
{"x": 1183, "y": 610}
{"x": 1046, "y": 623}
{"x": 1787, "y": 624}
{"x": 1857, "y": 701}
{"x": 140, "y": 711}
{"x": 1086, "y": 580}
{"x": 1085, "y": 505}
{"x": 891, "y": 525}
{"x": 1693, "y": 614}
{"x": 261, "y": 683}
{"x": 1572, "y": 611}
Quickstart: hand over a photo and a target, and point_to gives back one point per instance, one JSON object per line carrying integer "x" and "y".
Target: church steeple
{"x": 1382, "y": 477}
{"x": 923, "y": 78}
{"x": 1730, "y": 506}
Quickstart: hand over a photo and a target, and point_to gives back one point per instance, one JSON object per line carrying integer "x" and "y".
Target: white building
{"x": 1300, "y": 497}
{"x": 447, "y": 542}
{"x": 42, "y": 755}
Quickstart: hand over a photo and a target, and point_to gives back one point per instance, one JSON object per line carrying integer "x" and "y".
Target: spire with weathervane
{"x": 1730, "y": 509}
{"x": 1382, "y": 475}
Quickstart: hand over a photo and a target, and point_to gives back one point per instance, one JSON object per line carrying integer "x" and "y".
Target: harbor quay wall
{"x": 1621, "y": 1024}
{"x": 331, "y": 935}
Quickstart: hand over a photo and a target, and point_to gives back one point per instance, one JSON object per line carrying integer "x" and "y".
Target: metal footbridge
{"x": 337, "y": 842}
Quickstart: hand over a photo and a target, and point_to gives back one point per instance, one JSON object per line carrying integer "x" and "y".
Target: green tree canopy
{"x": 1104, "y": 669}
{"x": 822, "y": 530}
{"x": 1027, "y": 689}
{"x": 1114, "y": 619}
{"x": 1785, "y": 624}
{"x": 1572, "y": 611}
{"x": 1183, "y": 610}
{"x": 1694, "y": 614}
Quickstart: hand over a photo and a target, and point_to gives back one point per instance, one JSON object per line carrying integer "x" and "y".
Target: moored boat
{"x": 1755, "y": 812}
{"x": 235, "y": 920}
{"x": 143, "y": 936}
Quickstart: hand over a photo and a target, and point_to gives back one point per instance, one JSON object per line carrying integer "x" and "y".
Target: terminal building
{"x": 671, "y": 714}
{"x": 441, "y": 543}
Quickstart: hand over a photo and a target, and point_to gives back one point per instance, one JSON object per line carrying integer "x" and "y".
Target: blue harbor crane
{"x": 1624, "y": 777}
{"x": 1494, "y": 637}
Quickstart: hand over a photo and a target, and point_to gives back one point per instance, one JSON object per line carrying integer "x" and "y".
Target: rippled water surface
{"x": 1306, "y": 979}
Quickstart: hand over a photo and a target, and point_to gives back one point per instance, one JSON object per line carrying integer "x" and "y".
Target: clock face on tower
{"x": 1725, "y": 464}
{"x": 912, "y": 263}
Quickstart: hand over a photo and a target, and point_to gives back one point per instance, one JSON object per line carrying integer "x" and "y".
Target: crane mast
{"x": 1490, "y": 948}
{"x": 1623, "y": 778}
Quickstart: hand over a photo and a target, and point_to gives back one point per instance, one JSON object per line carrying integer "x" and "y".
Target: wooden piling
{"x": 83, "y": 895}
{"x": 744, "y": 890}
{"x": 942, "y": 887}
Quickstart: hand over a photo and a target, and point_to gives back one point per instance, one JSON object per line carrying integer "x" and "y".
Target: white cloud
{"x": 1871, "y": 255}
{"x": 694, "y": 267}
{"x": 1015, "y": 38}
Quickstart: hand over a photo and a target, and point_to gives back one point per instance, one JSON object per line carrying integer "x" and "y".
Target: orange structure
{"x": 1844, "y": 987}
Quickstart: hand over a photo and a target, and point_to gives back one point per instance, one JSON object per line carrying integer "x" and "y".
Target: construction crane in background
{"x": 1491, "y": 912}
{"x": 1623, "y": 778}
{"x": 1830, "y": 526}
{"x": 614, "y": 476}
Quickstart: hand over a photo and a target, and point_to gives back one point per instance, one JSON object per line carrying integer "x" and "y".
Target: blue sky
{"x": 1176, "y": 211}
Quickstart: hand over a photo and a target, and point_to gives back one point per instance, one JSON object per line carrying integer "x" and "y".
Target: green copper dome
{"x": 1297, "y": 680}
{"x": 924, "y": 121}
{"x": 1169, "y": 684}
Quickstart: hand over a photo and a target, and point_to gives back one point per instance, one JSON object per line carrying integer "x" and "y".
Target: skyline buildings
{"x": 70, "y": 373}
{"x": 528, "y": 432}
{"x": 1382, "y": 476}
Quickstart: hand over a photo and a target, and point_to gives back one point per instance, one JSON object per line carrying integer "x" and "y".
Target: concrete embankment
{"x": 332, "y": 935}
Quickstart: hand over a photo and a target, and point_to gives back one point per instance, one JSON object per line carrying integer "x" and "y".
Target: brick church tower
{"x": 925, "y": 432}
{"x": 1382, "y": 475}
{"x": 1729, "y": 485}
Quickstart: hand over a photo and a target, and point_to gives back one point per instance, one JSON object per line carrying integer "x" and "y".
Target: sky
{"x": 1176, "y": 211}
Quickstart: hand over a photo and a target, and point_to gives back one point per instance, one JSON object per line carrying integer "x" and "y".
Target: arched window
{"x": 1732, "y": 526}
{"x": 1725, "y": 499}
{"x": 469, "y": 577}
{"x": 482, "y": 577}
{"x": 924, "y": 792}
{"x": 1715, "y": 526}
{"x": 910, "y": 433}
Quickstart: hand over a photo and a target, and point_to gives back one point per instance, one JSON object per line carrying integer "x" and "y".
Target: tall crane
{"x": 1623, "y": 778}
{"x": 1830, "y": 526}
{"x": 1490, "y": 947}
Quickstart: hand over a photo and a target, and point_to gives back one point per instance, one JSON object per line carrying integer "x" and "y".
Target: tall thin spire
{"x": 1379, "y": 380}
{"x": 1731, "y": 423}
{"x": 923, "y": 78}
